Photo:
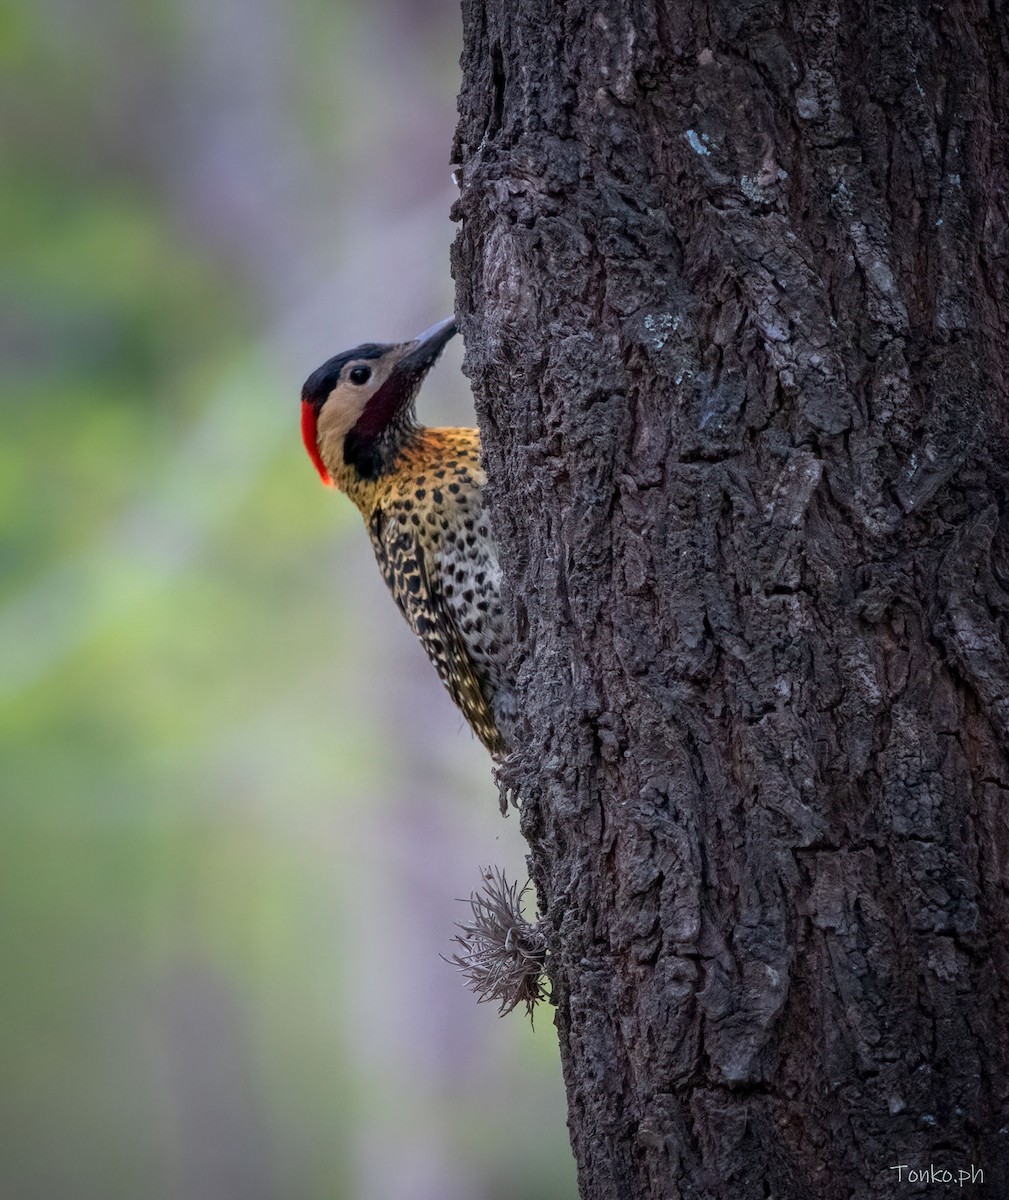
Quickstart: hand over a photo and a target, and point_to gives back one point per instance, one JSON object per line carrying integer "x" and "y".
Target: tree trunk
{"x": 733, "y": 282}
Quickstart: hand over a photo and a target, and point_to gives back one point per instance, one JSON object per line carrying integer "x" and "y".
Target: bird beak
{"x": 398, "y": 391}
{"x": 426, "y": 348}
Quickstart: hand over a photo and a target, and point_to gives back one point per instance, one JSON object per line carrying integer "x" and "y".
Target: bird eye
{"x": 360, "y": 375}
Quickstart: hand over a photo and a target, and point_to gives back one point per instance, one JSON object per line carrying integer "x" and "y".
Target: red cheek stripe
{"x": 310, "y": 436}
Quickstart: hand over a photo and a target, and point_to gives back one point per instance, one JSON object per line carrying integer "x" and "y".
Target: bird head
{"x": 358, "y": 406}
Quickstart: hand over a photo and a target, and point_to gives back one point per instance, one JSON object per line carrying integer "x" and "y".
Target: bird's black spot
{"x": 364, "y": 454}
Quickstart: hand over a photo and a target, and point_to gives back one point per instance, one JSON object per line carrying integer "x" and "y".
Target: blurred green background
{"x": 237, "y": 806}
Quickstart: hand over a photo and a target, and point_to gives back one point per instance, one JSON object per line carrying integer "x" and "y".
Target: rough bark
{"x": 733, "y": 282}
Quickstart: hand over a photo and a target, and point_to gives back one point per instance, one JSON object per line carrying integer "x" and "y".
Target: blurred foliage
{"x": 226, "y": 877}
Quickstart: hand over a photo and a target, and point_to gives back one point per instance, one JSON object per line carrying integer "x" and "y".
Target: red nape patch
{"x": 309, "y": 435}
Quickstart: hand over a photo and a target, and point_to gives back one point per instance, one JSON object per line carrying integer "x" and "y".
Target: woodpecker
{"x": 420, "y": 492}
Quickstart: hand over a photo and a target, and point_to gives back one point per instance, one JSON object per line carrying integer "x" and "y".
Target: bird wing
{"x": 413, "y": 578}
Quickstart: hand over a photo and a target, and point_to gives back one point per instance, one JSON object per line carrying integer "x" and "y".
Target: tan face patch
{"x": 343, "y": 407}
